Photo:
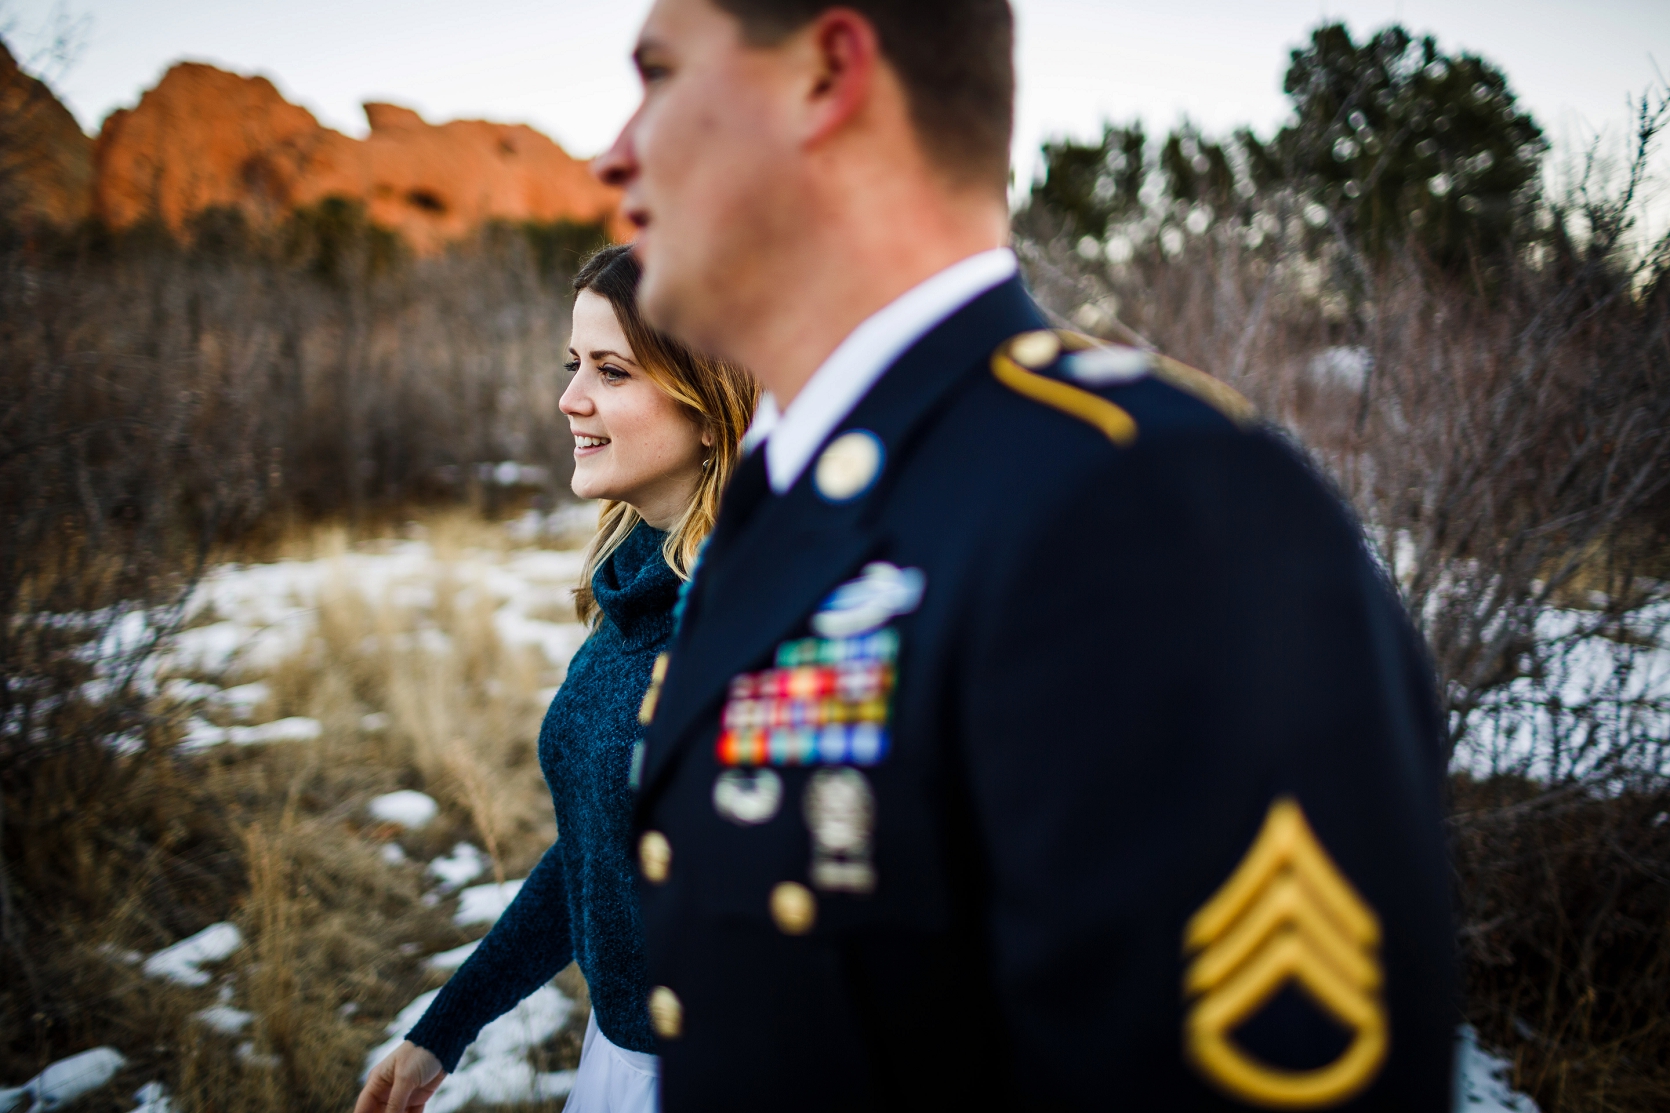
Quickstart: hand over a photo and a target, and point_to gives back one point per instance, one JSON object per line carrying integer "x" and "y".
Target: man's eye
{"x": 651, "y": 74}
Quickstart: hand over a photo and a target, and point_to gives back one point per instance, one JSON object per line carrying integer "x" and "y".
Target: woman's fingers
{"x": 375, "y": 1094}
{"x": 402, "y": 1083}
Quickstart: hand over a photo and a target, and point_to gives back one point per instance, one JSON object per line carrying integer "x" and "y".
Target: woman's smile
{"x": 586, "y": 444}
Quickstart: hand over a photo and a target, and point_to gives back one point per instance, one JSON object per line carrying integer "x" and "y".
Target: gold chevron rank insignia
{"x": 1287, "y": 914}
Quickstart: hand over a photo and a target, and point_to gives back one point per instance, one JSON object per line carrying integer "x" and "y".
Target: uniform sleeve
{"x": 1186, "y": 637}
{"x": 528, "y": 947}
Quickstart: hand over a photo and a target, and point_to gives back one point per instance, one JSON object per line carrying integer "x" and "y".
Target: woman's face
{"x": 632, "y": 443}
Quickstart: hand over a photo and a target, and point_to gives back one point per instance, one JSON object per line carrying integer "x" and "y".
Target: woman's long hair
{"x": 718, "y": 396}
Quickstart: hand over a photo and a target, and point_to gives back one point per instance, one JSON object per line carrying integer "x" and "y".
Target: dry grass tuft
{"x": 414, "y": 689}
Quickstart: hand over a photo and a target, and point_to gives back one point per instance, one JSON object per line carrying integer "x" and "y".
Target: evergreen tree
{"x": 1086, "y": 186}
{"x": 1398, "y": 137}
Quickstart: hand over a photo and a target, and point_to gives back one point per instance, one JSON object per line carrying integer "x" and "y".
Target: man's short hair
{"x": 954, "y": 57}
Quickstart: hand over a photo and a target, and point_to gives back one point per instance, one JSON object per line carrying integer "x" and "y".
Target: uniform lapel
{"x": 771, "y": 560}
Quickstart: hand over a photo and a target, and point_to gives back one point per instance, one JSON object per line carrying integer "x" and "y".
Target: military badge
{"x": 858, "y": 606}
{"x": 840, "y": 811}
{"x": 1285, "y": 916}
{"x": 1108, "y": 366}
{"x": 747, "y": 797}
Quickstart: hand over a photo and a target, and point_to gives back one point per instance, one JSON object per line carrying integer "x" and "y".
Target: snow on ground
{"x": 262, "y": 613}
{"x": 494, "y": 1069}
{"x": 463, "y": 865}
{"x": 200, "y": 735}
{"x": 1600, "y": 705}
{"x": 180, "y": 962}
{"x": 484, "y": 904}
{"x": 64, "y": 1081}
{"x": 225, "y": 1019}
{"x": 453, "y": 959}
{"x": 409, "y": 808}
{"x": 1482, "y": 1080}
{"x": 153, "y": 1098}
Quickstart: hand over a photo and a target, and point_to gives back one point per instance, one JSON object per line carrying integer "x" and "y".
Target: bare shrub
{"x": 1504, "y": 435}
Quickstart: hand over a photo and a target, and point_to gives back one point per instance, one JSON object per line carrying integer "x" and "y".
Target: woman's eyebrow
{"x": 602, "y": 353}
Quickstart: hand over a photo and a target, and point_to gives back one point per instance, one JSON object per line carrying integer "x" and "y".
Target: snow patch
{"x": 494, "y": 1070}
{"x": 189, "y": 691}
{"x": 224, "y": 1019}
{"x": 453, "y": 959}
{"x": 180, "y": 962}
{"x": 153, "y": 1098}
{"x": 1482, "y": 1079}
{"x": 484, "y": 904}
{"x": 463, "y": 865}
{"x": 200, "y": 735}
{"x": 242, "y": 700}
{"x": 409, "y": 808}
{"x": 66, "y": 1080}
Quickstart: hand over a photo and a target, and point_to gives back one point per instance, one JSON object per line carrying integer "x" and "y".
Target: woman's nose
{"x": 575, "y": 401}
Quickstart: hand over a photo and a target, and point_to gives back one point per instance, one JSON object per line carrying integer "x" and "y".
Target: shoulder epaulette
{"x": 1020, "y": 362}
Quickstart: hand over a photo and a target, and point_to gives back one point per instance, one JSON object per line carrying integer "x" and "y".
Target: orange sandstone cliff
{"x": 207, "y": 138}
{"x": 46, "y": 161}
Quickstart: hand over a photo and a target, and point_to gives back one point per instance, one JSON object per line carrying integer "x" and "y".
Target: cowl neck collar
{"x": 634, "y": 587}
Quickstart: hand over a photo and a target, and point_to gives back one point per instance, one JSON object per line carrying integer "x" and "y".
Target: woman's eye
{"x": 613, "y": 374}
{"x": 571, "y": 366}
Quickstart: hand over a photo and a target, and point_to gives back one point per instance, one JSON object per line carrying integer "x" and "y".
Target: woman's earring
{"x": 707, "y": 461}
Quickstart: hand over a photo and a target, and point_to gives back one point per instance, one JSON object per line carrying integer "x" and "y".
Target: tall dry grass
{"x": 412, "y": 692}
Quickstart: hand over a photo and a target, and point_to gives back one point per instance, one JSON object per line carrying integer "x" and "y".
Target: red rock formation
{"x": 46, "y": 160}
{"x": 204, "y": 138}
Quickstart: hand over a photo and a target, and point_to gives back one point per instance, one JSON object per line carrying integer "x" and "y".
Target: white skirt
{"x": 611, "y": 1079}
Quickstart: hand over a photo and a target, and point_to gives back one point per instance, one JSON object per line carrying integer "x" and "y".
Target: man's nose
{"x": 619, "y": 164}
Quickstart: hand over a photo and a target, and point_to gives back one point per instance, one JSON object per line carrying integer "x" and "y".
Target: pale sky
{"x": 562, "y": 66}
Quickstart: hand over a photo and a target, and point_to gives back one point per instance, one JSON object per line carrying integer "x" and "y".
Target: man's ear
{"x": 845, "y": 52}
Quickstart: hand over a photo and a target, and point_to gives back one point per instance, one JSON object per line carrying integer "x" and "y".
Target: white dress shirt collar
{"x": 860, "y": 360}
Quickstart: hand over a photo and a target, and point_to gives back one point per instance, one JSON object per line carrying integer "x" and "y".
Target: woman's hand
{"x": 404, "y": 1081}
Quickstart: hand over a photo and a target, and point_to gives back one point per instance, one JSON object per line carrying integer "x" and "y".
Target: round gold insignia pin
{"x": 655, "y": 856}
{"x": 666, "y": 1013}
{"x": 1035, "y": 349}
{"x": 793, "y": 908}
{"x": 848, "y": 466}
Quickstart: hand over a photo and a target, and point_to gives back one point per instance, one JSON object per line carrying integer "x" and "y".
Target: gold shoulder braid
{"x": 1040, "y": 349}
{"x": 1286, "y": 915}
{"x": 1214, "y": 392}
{"x": 1018, "y": 360}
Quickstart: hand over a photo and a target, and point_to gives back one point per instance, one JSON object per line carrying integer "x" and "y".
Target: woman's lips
{"x": 585, "y": 445}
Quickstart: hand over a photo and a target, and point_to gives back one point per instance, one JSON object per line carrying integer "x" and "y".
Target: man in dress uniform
{"x": 1039, "y": 733}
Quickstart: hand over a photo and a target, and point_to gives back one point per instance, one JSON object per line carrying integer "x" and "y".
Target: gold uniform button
{"x": 666, "y": 1013}
{"x": 655, "y": 856}
{"x": 1035, "y": 349}
{"x": 793, "y": 908}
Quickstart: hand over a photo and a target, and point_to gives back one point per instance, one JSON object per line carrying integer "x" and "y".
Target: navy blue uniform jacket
{"x": 1124, "y": 660}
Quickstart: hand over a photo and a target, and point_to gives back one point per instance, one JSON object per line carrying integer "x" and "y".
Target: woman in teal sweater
{"x": 656, "y": 431}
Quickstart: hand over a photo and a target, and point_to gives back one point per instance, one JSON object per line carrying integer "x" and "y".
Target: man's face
{"x": 706, "y": 163}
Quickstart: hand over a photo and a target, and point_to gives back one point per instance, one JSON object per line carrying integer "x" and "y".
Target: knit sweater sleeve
{"x": 529, "y": 945}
